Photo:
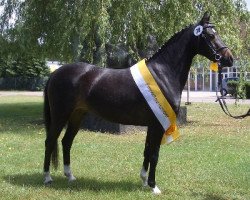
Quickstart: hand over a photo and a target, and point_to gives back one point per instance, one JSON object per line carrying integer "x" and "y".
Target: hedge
{"x": 239, "y": 92}
{"x": 23, "y": 83}
{"x": 247, "y": 86}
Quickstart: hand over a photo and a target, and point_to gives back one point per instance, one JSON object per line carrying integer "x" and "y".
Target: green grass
{"x": 210, "y": 161}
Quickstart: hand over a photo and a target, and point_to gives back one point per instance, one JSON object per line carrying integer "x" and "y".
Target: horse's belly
{"x": 122, "y": 111}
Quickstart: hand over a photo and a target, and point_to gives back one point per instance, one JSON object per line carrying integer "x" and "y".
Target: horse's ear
{"x": 205, "y": 18}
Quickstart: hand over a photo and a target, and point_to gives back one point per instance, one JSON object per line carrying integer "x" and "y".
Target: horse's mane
{"x": 175, "y": 37}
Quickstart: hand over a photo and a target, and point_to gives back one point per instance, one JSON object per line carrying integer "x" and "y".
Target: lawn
{"x": 211, "y": 161}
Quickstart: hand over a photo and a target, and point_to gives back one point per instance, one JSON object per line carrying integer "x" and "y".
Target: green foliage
{"x": 79, "y": 30}
{"x": 239, "y": 89}
{"x": 17, "y": 58}
{"x": 23, "y": 83}
{"x": 233, "y": 87}
{"x": 247, "y": 87}
{"x": 23, "y": 67}
{"x": 20, "y": 69}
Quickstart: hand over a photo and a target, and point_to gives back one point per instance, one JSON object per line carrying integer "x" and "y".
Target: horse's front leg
{"x": 143, "y": 173}
{"x": 151, "y": 155}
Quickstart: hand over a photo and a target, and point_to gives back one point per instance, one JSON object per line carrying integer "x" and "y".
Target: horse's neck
{"x": 171, "y": 65}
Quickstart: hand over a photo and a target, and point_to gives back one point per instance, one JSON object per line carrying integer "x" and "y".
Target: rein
{"x": 223, "y": 104}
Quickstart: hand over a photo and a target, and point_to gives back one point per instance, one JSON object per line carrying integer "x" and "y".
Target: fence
{"x": 203, "y": 79}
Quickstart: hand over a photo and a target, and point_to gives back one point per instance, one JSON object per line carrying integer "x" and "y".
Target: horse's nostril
{"x": 231, "y": 59}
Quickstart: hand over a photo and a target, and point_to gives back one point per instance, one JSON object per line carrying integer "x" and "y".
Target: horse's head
{"x": 210, "y": 43}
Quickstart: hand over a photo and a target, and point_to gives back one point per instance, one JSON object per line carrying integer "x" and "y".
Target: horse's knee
{"x": 47, "y": 142}
{"x": 146, "y": 150}
{"x": 154, "y": 158}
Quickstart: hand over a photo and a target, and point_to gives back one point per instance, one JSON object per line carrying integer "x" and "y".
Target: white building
{"x": 53, "y": 65}
{"x": 202, "y": 79}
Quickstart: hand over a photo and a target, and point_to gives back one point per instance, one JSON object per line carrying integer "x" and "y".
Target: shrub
{"x": 23, "y": 67}
{"x": 23, "y": 73}
{"x": 247, "y": 87}
{"x": 23, "y": 83}
{"x": 239, "y": 89}
{"x": 232, "y": 87}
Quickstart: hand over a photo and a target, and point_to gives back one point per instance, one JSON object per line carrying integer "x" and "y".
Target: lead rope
{"x": 222, "y": 101}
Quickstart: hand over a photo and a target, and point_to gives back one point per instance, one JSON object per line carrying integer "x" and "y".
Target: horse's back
{"x": 80, "y": 81}
{"x": 69, "y": 71}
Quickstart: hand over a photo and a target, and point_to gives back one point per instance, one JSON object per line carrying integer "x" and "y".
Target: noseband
{"x": 215, "y": 51}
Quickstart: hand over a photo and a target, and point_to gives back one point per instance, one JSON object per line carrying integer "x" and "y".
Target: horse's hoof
{"x": 156, "y": 190}
{"x": 48, "y": 182}
{"x": 145, "y": 184}
{"x": 144, "y": 181}
{"x": 70, "y": 177}
{"x": 144, "y": 177}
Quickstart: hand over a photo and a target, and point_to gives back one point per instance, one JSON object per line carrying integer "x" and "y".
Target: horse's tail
{"x": 46, "y": 109}
{"x": 47, "y": 122}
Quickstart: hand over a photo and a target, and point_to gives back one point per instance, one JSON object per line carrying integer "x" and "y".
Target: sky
{"x": 248, "y": 4}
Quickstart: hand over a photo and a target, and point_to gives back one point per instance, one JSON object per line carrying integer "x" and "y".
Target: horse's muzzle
{"x": 227, "y": 59}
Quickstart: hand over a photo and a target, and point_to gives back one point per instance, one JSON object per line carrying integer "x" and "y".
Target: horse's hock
{"x": 95, "y": 123}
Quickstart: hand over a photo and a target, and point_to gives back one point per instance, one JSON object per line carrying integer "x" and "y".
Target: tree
{"x": 78, "y": 30}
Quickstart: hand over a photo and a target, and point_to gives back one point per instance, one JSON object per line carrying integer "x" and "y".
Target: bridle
{"x": 214, "y": 51}
{"x": 218, "y": 58}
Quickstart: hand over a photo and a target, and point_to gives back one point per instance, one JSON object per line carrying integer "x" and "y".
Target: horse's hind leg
{"x": 72, "y": 129}
{"x": 51, "y": 147}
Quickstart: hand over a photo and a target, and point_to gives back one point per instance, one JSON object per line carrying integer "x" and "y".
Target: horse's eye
{"x": 211, "y": 36}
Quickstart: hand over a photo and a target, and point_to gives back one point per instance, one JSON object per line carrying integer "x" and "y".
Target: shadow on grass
{"x": 20, "y": 115}
{"x": 204, "y": 123}
{"x": 82, "y": 183}
{"x": 214, "y": 197}
{"x": 210, "y": 196}
{"x": 21, "y": 108}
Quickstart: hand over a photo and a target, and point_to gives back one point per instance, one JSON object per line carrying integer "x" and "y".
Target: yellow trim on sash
{"x": 172, "y": 131}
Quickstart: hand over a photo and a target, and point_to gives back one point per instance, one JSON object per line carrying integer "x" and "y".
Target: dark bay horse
{"x": 75, "y": 89}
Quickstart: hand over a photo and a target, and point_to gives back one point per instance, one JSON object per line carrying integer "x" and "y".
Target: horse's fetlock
{"x": 151, "y": 183}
